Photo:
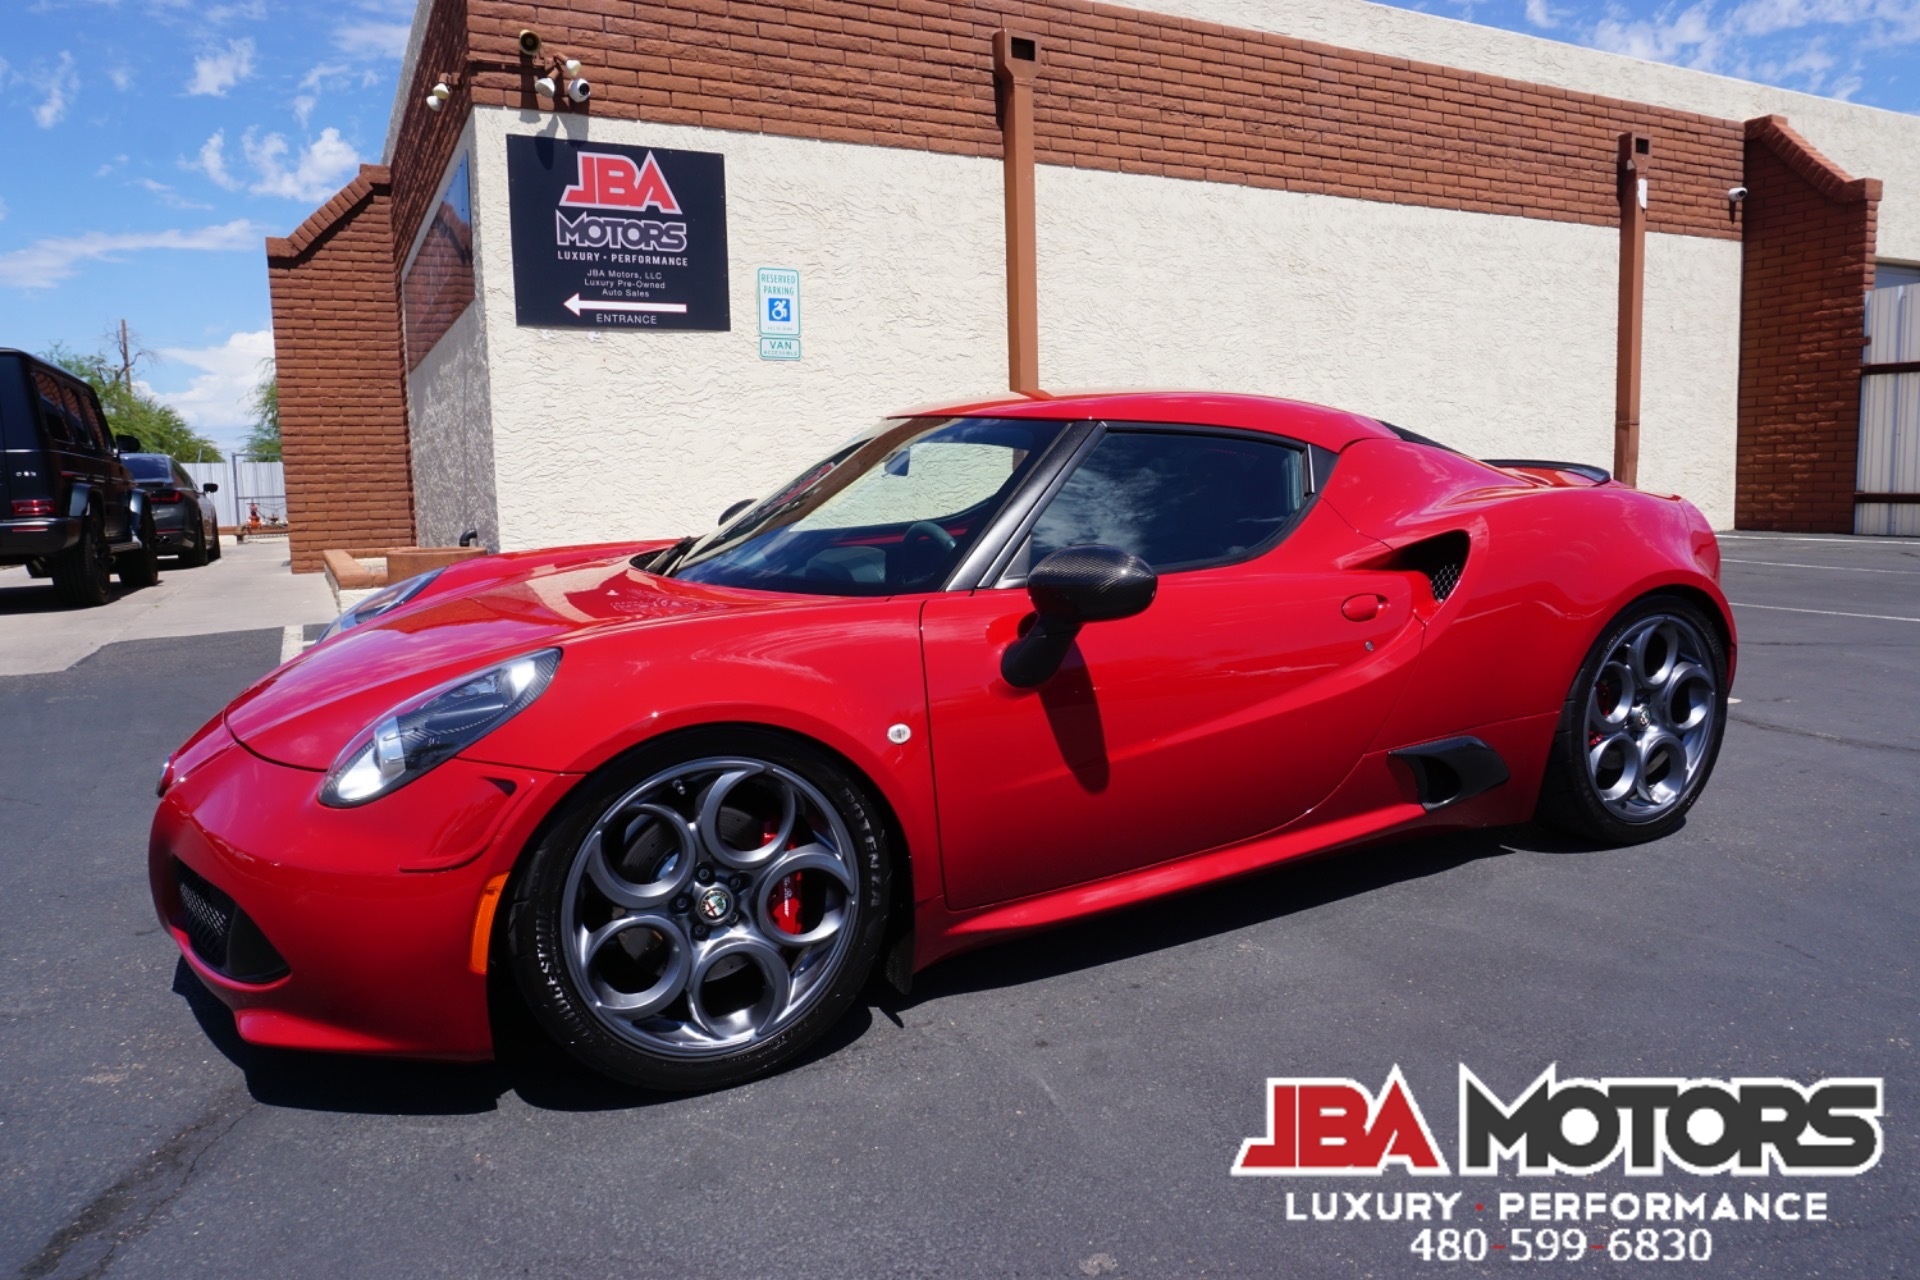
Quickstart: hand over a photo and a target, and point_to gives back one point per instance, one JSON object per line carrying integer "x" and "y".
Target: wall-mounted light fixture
{"x": 438, "y": 95}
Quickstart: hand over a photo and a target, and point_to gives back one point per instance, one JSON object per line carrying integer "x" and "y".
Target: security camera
{"x": 1736, "y": 194}
{"x": 579, "y": 90}
{"x": 545, "y": 85}
{"x": 438, "y": 95}
{"x": 529, "y": 43}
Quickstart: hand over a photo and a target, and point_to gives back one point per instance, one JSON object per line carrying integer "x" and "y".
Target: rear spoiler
{"x": 1596, "y": 474}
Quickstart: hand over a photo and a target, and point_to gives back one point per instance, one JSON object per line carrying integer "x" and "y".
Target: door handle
{"x": 1363, "y": 608}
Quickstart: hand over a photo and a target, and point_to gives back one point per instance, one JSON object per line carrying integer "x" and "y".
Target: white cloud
{"x": 212, "y": 161}
{"x": 169, "y": 197}
{"x": 326, "y": 72}
{"x": 1691, "y": 39}
{"x": 248, "y": 10}
{"x": 215, "y": 73}
{"x": 122, "y": 78}
{"x": 1539, "y": 14}
{"x": 372, "y": 39}
{"x": 46, "y": 262}
{"x": 313, "y": 173}
{"x": 218, "y": 397}
{"x": 316, "y": 173}
{"x": 303, "y": 108}
{"x": 54, "y": 85}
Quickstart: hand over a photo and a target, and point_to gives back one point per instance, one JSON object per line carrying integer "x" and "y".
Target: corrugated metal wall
{"x": 1890, "y": 414}
{"x": 243, "y": 484}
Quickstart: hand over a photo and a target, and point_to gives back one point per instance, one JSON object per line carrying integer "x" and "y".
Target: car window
{"x": 54, "y": 414}
{"x": 93, "y": 430}
{"x": 146, "y": 466}
{"x": 1178, "y": 500}
{"x": 79, "y": 420}
{"x": 181, "y": 478}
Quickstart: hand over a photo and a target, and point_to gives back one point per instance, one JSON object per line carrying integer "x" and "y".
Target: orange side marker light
{"x": 483, "y": 923}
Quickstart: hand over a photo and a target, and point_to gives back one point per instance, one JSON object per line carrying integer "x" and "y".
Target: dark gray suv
{"x": 69, "y": 509}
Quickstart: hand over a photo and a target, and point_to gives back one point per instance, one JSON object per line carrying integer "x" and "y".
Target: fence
{"x": 244, "y": 483}
{"x": 1890, "y": 414}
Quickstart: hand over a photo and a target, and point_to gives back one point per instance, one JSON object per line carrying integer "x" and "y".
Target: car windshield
{"x": 890, "y": 513}
{"x": 148, "y": 466}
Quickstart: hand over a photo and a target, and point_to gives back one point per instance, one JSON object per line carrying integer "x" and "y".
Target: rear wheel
{"x": 195, "y": 556}
{"x": 82, "y": 572}
{"x": 1641, "y": 727}
{"x": 703, "y": 910}
{"x": 213, "y": 546}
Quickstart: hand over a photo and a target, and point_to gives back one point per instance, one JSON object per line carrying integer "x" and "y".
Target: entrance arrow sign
{"x": 575, "y": 305}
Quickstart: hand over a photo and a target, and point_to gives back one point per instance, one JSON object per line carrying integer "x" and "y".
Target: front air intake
{"x": 224, "y": 937}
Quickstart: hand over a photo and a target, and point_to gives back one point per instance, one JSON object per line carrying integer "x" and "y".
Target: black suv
{"x": 69, "y": 510}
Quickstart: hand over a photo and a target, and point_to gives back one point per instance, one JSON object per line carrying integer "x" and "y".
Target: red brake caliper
{"x": 783, "y": 904}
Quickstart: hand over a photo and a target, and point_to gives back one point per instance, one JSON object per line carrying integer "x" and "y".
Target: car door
{"x": 1232, "y": 705}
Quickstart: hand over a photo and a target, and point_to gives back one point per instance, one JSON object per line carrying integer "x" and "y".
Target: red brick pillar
{"x": 1807, "y": 268}
{"x": 338, "y": 350}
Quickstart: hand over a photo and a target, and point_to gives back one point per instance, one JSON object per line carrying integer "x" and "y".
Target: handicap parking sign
{"x": 779, "y": 303}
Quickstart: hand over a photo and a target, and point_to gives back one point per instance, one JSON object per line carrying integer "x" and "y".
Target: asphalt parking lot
{"x": 1063, "y": 1106}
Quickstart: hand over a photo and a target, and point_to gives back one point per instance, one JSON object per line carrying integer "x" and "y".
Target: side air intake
{"x": 1441, "y": 559}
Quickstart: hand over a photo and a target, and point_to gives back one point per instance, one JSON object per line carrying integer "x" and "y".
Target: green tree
{"x": 263, "y": 439}
{"x": 132, "y": 412}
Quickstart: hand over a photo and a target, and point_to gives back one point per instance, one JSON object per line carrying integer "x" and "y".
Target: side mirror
{"x": 127, "y": 444}
{"x": 1070, "y": 588}
{"x": 209, "y": 487}
{"x": 735, "y": 509}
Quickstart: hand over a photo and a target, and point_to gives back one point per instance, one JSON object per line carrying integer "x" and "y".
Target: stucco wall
{"x": 1493, "y": 334}
{"x": 1867, "y": 142}
{"x": 450, "y": 419}
{"x": 601, "y": 435}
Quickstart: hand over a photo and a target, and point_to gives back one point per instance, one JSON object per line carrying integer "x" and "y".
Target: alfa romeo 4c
{"x": 986, "y": 668}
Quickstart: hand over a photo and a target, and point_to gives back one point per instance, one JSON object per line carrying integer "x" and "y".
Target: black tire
{"x": 194, "y": 557}
{"x": 81, "y": 574}
{"x": 213, "y": 548}
{"x": 1592, "y": 796}
{"x": 550, "y": 901}
{"x": 141, "y": 568}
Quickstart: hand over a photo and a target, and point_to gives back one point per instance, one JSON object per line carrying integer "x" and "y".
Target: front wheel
{"x": 141, "y": 568}
{"x": 1641, "y": 727}
{"x": 703, "y": 909}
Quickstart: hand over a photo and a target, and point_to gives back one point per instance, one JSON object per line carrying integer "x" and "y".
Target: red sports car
{"x": 985, "y": 668}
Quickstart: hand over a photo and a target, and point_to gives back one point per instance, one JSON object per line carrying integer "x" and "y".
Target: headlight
{"x": 384, "y": 601}
{"x": 433, "y": 728}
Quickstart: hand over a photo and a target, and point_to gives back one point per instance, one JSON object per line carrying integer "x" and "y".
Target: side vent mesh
{"x": 1441, "y": 559}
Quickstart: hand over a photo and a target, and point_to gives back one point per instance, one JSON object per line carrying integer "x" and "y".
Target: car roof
{"x": 1314, "y": 424}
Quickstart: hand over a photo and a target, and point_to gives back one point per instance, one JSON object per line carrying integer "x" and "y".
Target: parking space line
{"x": 1825, "y": 613}
{"x": 1832, "y": 540}
{"x": 292, "y": 642}
{"x": 1825, "y": 568}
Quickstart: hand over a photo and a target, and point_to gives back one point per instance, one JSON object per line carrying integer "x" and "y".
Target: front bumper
{"x": 371, "y": 911}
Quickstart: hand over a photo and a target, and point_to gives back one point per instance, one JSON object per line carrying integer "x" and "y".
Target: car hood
{"x": 307, "y": 711}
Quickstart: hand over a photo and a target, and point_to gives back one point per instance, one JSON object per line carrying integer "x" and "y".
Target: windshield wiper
{"x": 661, "y": 561}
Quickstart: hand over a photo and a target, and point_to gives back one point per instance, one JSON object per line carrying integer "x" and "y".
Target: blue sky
{"x": 147, "y": 146}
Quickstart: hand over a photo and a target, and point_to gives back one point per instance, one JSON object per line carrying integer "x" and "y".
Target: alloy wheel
{"x": 708, "y": 908}
{"x": 1650, "y": 718}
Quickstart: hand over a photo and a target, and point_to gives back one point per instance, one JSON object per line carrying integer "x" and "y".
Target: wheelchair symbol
{"x": 779, "y": 310}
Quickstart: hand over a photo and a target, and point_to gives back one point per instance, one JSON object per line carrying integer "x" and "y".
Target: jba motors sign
{"x": 1743, "y": 1126}
{"x": 615, "y": 237}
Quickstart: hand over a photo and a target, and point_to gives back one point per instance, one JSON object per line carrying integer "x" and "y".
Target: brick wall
{"x": 343, "y": 414}
{"x": 1122, "y": 90}
{"x": 1808, "y": 265}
